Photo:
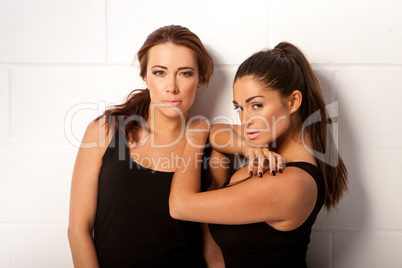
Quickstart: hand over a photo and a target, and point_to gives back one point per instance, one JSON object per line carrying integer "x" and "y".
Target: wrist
{"x": 244, "y": 147}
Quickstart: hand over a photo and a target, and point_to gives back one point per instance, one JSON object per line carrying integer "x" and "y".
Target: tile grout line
{"x": 33, "y": 224}
{"x": 334, "y": 66}
{"x": 356, "y": 230}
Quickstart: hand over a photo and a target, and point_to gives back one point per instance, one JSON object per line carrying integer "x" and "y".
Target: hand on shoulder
{"x": 261, "y": 159}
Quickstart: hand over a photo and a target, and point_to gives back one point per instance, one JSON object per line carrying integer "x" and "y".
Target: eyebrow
{"x": 180, "y": 68}
{"x": 249, "y": 99}
{"x": 158, "y": 66}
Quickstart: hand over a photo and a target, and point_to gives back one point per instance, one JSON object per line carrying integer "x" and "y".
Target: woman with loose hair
{"x": 119, "y": 215}
{"x": 266, "y": 220}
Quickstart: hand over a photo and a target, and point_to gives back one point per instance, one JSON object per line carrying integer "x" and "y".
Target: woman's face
{"x": 263, "y": 113}
{"x": 172, "y": 78}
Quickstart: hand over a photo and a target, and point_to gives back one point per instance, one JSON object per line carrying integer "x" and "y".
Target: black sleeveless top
{"x": 260, "y": 245}
{"x": 133, "y": 227}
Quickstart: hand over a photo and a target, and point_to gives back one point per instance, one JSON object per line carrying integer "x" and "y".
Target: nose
{"x": 246, "y": 119}
{"x": 172, "y": 86}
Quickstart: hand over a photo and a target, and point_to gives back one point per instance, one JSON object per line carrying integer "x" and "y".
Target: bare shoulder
{"x": 295, "y": 180}
{"x": 94, "y": 128}
{"x": 296, "y": 191}
{"x": 97, "y": 134}
{"x": 93, "y": 146}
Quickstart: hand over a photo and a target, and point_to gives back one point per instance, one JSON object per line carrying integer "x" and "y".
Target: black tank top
{"x": 133, "y": 227}
{"x": 260, "y": 245}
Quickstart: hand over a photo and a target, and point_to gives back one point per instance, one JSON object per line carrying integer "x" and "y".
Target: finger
{"x": 281, "y": 163}
{"x": 272, "y": 163}
{"x": 267, "y": 154}
{"x": 251, "y": 160}
{"x": 261, "y": 159}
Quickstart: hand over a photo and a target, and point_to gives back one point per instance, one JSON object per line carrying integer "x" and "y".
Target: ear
{"x": 295, "y": 100}
{"x": 199, "y": 85}
{"x": 146, "y": 81}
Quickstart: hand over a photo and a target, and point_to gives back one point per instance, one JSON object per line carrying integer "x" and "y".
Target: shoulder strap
{"x": 311, "y": 169}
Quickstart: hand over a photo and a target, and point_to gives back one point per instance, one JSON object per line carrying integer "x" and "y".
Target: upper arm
{"x": 212, "y": 252}
{"x": 84, "y": 185}
{"x": 286, "y": 196}
{"x": 226, "y": 138}
{"x": 219, "y": 169}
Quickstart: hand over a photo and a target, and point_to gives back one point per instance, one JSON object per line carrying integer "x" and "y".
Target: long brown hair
{"x": 134, "y": 111}
{"x": 286, "y": 69}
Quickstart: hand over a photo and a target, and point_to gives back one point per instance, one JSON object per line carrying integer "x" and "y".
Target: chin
{"x": 256, "y": 143}
{"x": 173, "y": 113}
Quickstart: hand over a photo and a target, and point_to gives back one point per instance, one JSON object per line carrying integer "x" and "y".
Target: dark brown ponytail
{"x": 286, "y": 69}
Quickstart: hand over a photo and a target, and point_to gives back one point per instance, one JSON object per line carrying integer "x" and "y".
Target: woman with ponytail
{"x": 266, "y": 220}
{"x": 119, "y": 215}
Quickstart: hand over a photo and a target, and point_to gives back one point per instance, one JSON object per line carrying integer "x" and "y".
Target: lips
{"x": 253, "y": 134}
{"x": 172, "y": 102}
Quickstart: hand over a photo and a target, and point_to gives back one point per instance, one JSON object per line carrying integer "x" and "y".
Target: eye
{"x": 256, "y": 106}
{"x": 186, "y": 74}
{"x": 158, "y": 73}
{"x": 238, "y": 109}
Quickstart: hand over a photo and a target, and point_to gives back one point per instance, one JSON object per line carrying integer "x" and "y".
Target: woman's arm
{"x": 289, "y": 196}
{"x": 84, "y": 192}
{"x": 228, "y": 139}
{"x": 219, "y": 170}
{"x": 212, "y": 252}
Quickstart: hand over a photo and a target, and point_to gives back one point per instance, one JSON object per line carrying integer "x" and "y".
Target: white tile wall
{"x": 230, "y": 30}
{"x": 66, "y": 59}
{"x": 374, "y": 190}
{"x": 339, "y": 31}
{"x": 65, "y": 87}
{"x": 6, "y": 245}
{"x": 4, "y": 104}
{"x": 368, "y": 107}
{"x": 47, "y": 246}
{"x": 217, "y": 97}
{"x": 318, "y": 254}
{"x": 328, "y": 80}
{"x": 35, "y": 183}
{"x": 52, "y": 31}
{"x": 367, "y": 249}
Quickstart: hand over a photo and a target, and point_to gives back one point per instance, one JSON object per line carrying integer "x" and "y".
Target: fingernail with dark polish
{"x": 273, "y": 173}
{"x": 260, "y": 175}
{"x": 251, "y": 173}
{"x": 280, "y": 170}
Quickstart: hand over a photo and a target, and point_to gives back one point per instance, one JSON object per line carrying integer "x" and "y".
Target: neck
{"x": 160, "y": 124}
{"x": 291, "y": 146}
